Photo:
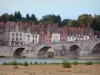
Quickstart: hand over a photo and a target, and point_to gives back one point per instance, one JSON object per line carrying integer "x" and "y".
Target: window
{"x": 33, "y": 41}
{"x": 72, "y": 37}
{"x": 20, "y": 38}
{"x": 69, "y": 37}
{"x": 28, "y": 36}
{"x": 33, "y": 36}
{"x": 20, "y": 34}
{"x": 21, "y": 43}
{"x": 36, "y": 36}
{"x": 16, "y": 39}
{"x": 12, "y": 39}
{"x": 16, "y": 34}
{"x": 12, "y": 34}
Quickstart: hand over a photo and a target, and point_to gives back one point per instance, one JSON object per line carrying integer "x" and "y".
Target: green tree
{"x": 85, "y": 19}
{"x": 50, "y": 19}
{"x": 5, "y": 17}
{"x": 27, "y": 16}
{"x": 64, "y": 22}
{"x": 58, "y": 20}
{"x": 33, "y": 18}
{"x": 11, "y": 17}
{"x": 96, "y": 22}
{"x": 17, "y": 16}
{"x": 73, "y": 23}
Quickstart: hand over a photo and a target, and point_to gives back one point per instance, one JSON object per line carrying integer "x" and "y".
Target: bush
{"x": 75, "y": 63}
{"x": 66, "y": 64}
{"x": 35, "y": 62}
{"x": 5, "y": 63}
{"x": 26, "y": 63}
{"x": 30, "y": 63}
{"x": 14, "y": 63}
{"x": 88, "y": 63}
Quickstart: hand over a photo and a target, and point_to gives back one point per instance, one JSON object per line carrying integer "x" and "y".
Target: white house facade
{"x": 20, "y": 37}
{"x": 55, "y": 37}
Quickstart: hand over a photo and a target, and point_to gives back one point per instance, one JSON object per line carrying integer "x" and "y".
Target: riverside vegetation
{"x": 65, "y": 63}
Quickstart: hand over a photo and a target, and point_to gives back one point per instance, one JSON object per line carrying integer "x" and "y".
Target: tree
{"x": 64, "y": 22}
{"x": 85, "y": 19}
{"x": 33, "y": 18}
{"x": 96, "y": 22}
{"x": 27, "y": 16}
{"x": 17, "y": 16}
{"x": 5, "y": 17}
{"x": 73, "y": 23}
{"x": 58, "y": 19}
{"x": 50, "y": 19}
{"x": 11, "y": 17}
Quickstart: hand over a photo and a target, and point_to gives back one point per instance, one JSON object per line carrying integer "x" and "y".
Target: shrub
{"x": 35, "y": 62}
{"x": 66, "y": 64}
{"x": 26, "y": 63}
{"x": 14, "y": 63}
{"x": 5, "y": 63}
{"x": 88, "y": 63}
{"x": 30, "y": 63}
{"x": 75, "y": 63}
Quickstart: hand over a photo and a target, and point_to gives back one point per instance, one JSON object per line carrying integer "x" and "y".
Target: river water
{"x": 42, "y": 60}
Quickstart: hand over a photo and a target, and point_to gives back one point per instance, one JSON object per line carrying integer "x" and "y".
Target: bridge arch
{"x": 73, "y": 51}
{"x": 18, "y": 52}
{"x": 44, "y": 52}
{"x": 96, "y": 50}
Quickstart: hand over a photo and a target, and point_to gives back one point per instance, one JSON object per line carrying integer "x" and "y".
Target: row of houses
{"x": 19, "y": 33}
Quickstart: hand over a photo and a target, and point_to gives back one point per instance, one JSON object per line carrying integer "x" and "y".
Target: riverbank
{"x": 51, "y": 69}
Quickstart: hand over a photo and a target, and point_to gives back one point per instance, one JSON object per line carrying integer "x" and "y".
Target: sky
{"x": 69, "y": 9}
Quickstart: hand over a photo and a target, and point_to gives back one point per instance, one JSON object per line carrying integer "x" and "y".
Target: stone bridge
{"x": 78, "y": 49}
